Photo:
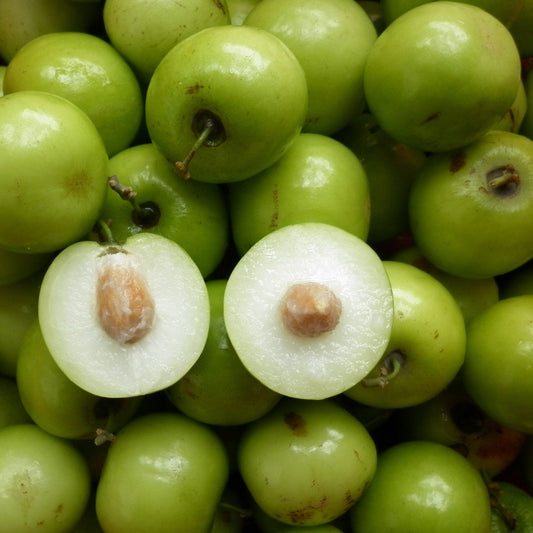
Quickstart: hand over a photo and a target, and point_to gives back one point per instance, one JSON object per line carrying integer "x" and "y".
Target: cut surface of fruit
{"x": 308, "y": 310}
{"x": 124, "y": 320}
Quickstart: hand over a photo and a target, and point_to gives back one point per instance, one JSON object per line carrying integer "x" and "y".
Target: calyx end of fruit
{"x": 310, "y": 309}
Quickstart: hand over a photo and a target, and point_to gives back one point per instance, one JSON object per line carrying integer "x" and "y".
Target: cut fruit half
{"x": 124, "y": 320}
{"x": 309, "y": 310}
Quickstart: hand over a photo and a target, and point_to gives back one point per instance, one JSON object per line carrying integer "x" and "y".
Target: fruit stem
{"x": 243, "y": 513}
{"x": 104, "y": 232}
{"x": 103, "y": 436}
{"x": 504, "y": 176}
{"x": 145, "y": 215}
{"x": 181, "y": 167}
{"x": 389, "y": 369}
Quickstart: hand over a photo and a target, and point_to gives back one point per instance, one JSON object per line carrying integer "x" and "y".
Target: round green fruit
{"x": 143, "y": 31}
{"x": 306, "y": 462}
{"x": 222, "y": 89}
{"x": 191, "y": 213}
{"x": 218, "y": 389}
{"x": 498, "y": 367}
{"x": 318, "y": 179}
{"x": 89, "y": 72}
{"x": 53, "y": 175}
{"x": 331, "y": 40}
{"x": 426, "y": 347}
{"x": 44, "y": 481}
{"x": 423, "y": 486}
{"x": 163, "y": 470}
{"x": 441, "y": 75}
{"x": 470, "y": 209}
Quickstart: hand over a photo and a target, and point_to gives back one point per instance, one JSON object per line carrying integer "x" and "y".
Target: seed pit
{"x": 125, "y": 309}
{"x": 310, "y": 309}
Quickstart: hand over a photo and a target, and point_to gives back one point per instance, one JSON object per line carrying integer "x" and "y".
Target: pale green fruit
{"x": 87, "y": 71}
{"x": 516, "y": 114}
{"x": 306, "y": 462}
{"x": 53, "y": 175}
{"x": 439, "y": 77}
{"x": 470, "y": 209}
{"x": 426, "y": 347}
{"x": 189, "y": 212}
{"x": 239, "y": 9}
{"x": 331, "y": 39}
{"x": 317, "y": 180}
{"x": 23, "y": 20}
{"x": 143, "y": 31}
{"x": 243, "y": 83}
{"x": 44, "y": 481}
{"x": 16, "y": 266}
{"x": 163, "y": 471}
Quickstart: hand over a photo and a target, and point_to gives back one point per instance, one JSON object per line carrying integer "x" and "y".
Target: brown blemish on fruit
{"x": 431, "y": 117}
{"x": 220, "y": 5}
{"x": 124, "y": 306}
{"x": 303, "y": 514}
{"x": 77, "y": 184}
{"x": 457, "y": 161}
{"x": 296, "y": 424}
{"x": 193, "y": 89}
{"x": 310, "y": 309}
{"x": 274, "y": 219}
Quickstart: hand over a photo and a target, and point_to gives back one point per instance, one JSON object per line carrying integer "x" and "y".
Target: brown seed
{"x": 125, "y": 308}
{"x": 310, "y": 309}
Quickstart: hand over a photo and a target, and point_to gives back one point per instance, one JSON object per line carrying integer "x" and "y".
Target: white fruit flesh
{"x": 309, "y": 310}
{"x": 126, "y": 321}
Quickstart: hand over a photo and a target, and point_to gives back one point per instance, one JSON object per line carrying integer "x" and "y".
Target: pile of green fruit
{"x": 266, "y": 266}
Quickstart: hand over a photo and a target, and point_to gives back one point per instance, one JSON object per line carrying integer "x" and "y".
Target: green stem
{"x": 181, "y": 167}
{"x": 389, "y": 369}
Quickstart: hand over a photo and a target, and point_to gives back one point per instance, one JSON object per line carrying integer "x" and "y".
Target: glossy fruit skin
{"x": 423, "y": 486}
{"x": 218, "y": 389}
{"x": 428, "y": 331}
{"x": 191, "y": 213}
{"x": 462, "y": 224}
{"x": 157, "y": 472}
{"x": 90, "y": 73}
{"x": 416, "y": 65}
{"x": 331, "y": 39}
{"x": 498, "y": 367}
{"x": 55, "y": 403}
{"x": 261, "y": 103}
{"x": 44, "y": 481}
{"x": 144, "y": 31}
{"x": 306, "y": 463}
{"x": 318, "y": 179}
{"x": 49, "y": 148}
